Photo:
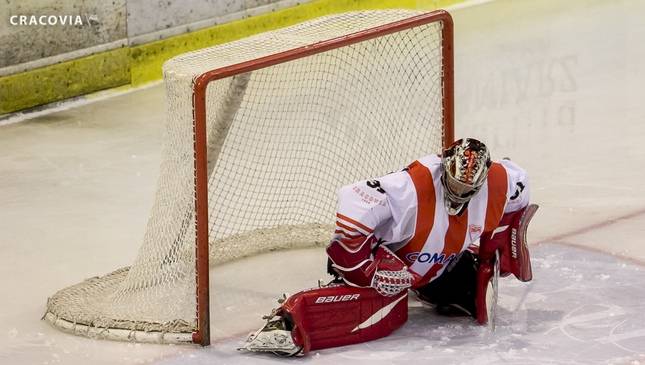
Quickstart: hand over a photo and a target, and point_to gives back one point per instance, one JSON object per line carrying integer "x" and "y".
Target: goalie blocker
{"x": 339, "y": 315}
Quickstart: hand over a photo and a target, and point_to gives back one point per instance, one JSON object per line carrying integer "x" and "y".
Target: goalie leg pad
{"x": 342, "y": 315}
{"x": 510, "y": 240}
{"x": 509, "y": 243}
{"x": 484, "y": 275}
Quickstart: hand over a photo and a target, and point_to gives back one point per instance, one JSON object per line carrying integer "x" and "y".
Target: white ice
{"x": 555, "y": 85}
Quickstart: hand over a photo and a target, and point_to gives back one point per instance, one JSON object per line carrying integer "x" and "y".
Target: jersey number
{"x": 520, "y": 187}
{"x": 375, "y": 184}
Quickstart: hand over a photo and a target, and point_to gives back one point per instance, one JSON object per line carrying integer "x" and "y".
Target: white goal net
{"x": 281, "y": 139}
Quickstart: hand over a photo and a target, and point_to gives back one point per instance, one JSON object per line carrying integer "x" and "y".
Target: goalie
{"x": 412, "y": 229}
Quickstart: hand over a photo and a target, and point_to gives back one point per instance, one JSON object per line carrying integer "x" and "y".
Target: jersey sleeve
{"x": 518, "y": 193}
{"x": 362, "y": 208}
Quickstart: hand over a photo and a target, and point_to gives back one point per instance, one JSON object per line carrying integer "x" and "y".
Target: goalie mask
{"x": 465, "y": 168}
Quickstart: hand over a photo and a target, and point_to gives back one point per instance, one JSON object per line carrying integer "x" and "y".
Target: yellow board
{"x": 140, "y": 64}
{"x": 64, "y": 80}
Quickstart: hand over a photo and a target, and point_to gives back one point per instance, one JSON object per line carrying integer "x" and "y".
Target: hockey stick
{"x": 492, "y": 294}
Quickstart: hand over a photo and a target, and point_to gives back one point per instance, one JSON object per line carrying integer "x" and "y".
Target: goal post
{"x": 260, "y": 133}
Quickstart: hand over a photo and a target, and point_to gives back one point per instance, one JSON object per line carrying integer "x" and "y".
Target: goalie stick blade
{"x": 492, "y": 295}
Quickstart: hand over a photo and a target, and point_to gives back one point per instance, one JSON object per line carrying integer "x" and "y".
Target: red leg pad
{"x": 484, "y": 274}
{"x": 510, "y": 240}
{"x": 343, "y": 315}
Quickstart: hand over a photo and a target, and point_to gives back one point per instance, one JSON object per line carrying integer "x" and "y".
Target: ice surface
{"x": 572, "y": 313}
{"x": 555, "y": 85}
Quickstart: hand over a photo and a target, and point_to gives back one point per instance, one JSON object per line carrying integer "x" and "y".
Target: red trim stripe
{"x": 344, "y": 226}
{"x": 343, "y": 233}
{"x": 424, "y": 186}
{"x": 497, "y": 189}
{"x": 453, "y": 242}
{"x": 356, "y": 223}
{"x": 355, "y": 242}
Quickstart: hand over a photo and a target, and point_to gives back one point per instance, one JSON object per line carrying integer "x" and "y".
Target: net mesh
{"x": 281, "y": 140}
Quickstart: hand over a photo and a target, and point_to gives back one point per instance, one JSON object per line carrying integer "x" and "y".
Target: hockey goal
{"x": 260, "y": 133}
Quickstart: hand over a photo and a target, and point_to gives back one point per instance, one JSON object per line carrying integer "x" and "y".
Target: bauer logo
{"x": 434, "y": 258}
{"x": 514, "y": 243}
{"x": 337, "y": 298}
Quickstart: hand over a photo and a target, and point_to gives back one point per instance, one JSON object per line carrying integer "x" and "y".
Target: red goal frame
{"x": 202, "y": 334}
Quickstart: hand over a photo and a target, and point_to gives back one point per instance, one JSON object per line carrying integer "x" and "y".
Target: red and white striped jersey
{"x": 406, "y": 210}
